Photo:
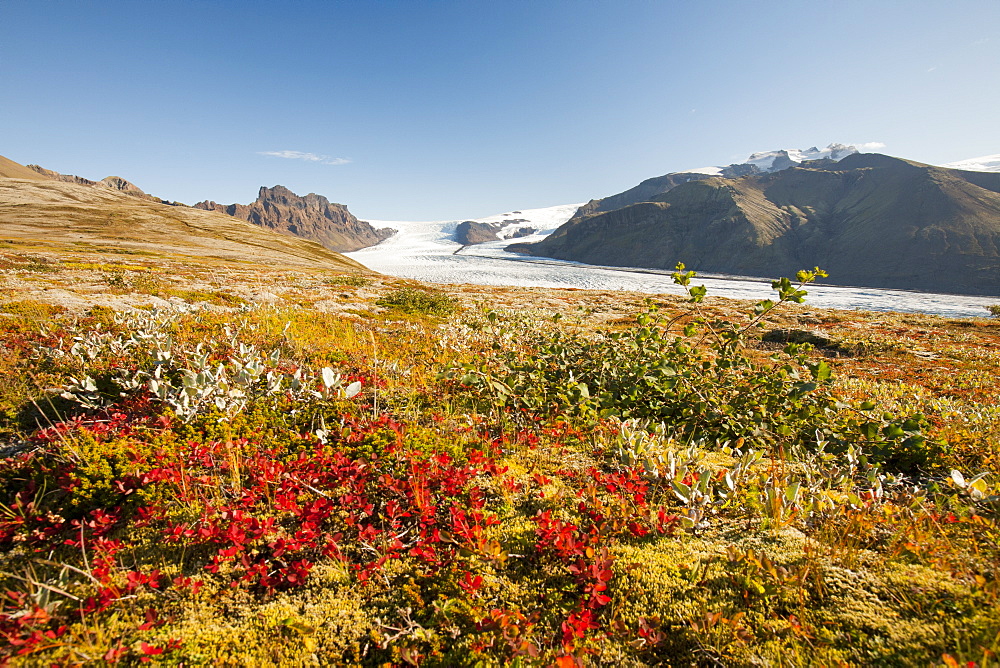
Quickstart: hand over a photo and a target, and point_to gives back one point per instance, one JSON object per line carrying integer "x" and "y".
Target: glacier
{"x": 427, "y": 251}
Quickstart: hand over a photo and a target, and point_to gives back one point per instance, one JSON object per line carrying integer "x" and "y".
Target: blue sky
{"x": 421, "y": 110}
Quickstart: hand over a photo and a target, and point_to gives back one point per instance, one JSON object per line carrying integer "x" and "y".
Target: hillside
{"x": 459, "y": 475}
{"x": 757, "y": 163}
{"x": 113, "y": 182}
{"x": 59, "y": 216}
{"x": 12, "y": 170}
{"x": 311, "y": 217}
{"x": 869, "y": 220}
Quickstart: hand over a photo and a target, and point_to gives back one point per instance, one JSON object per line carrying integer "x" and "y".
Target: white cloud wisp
{"x": 308, "y": 157}
{"x": 869, "y": 147}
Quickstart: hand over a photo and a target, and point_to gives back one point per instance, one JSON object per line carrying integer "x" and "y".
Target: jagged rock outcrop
{"x": 113, "y": 182}
{"x": 311, "y": 217}
{"x": 66, "y": 178}
{"x": 118, "y": 183}
{"x": 869, "y": 220}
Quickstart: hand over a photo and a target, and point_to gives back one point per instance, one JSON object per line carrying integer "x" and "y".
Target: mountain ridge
{"x": 62, "y": 213}
{"x": 869, "y": 219}
{"x": 758, "y": 163}
{"x": 310, "y": 216}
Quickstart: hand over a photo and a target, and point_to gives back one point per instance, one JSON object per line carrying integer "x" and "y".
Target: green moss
{"x": 420, "y": 302}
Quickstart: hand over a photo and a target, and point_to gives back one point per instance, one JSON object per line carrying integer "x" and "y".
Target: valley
{"x": 224, "y": 444}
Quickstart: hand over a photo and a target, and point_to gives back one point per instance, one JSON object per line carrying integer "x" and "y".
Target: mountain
{"x": 757, "y": 163}
{"x": 869, "y": 220}
{"x": 40, "y": 211}
{"x": 311, "y": 217}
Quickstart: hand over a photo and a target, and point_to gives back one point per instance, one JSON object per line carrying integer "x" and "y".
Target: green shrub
{"x": 353, "y": 281}
{"x": 994, "y": 310}
{"x": 719, "y": 394}
{"x": 419, "y": 302}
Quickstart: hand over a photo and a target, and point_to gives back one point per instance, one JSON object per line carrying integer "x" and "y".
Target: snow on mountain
{"x": 544, "y": 220}
{"x": 986, "y": 163}
{"x": 773, "y": 161}
{"x": 713, "y": 171}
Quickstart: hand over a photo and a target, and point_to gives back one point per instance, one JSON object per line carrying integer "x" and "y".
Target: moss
{"x": 31, "y": 309}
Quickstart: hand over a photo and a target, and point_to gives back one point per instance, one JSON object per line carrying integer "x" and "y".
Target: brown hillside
{"x": 56, "y": 215}
{"x": 12, "y": 170}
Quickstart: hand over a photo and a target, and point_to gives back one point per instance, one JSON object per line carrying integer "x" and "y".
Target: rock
{"x": 522, "y": 232}
{"x": 312, "y": 217}
{"x": 470, "y": 232}
{"x": 118, "y": 183}
{"x": 66, "y": 178}
{"x": 813, "y": 336}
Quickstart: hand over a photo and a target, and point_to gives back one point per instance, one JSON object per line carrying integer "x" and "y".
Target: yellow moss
{"x": 31, "y": 309}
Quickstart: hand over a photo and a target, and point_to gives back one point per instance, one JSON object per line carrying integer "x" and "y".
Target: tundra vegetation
{"x": 440, "y": 480}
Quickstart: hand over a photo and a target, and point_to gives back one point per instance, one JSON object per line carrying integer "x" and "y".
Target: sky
{"x": 441, "y": 110}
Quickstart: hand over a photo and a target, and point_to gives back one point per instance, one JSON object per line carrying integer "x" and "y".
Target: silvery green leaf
{"x": 681, "y": 491}
{"x": 958, "y": 478}
{"x": 353, "y": 389}
{"x": 329, "y": 377}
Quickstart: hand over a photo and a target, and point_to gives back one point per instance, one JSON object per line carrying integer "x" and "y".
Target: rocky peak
{"x": 310, "y": 216}
{"x": 118, "y": 183}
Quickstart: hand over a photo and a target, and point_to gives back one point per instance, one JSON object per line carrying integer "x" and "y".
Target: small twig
{"x": 72, "y": 568}
{"x": 36, "y": 583}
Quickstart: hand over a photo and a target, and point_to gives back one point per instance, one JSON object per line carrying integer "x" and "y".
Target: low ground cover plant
{"x": 484, "y": 487}
{"x": 422, "y": 302}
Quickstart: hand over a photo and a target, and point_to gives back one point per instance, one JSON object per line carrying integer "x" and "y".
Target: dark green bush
{"x": 714, "y": 393}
